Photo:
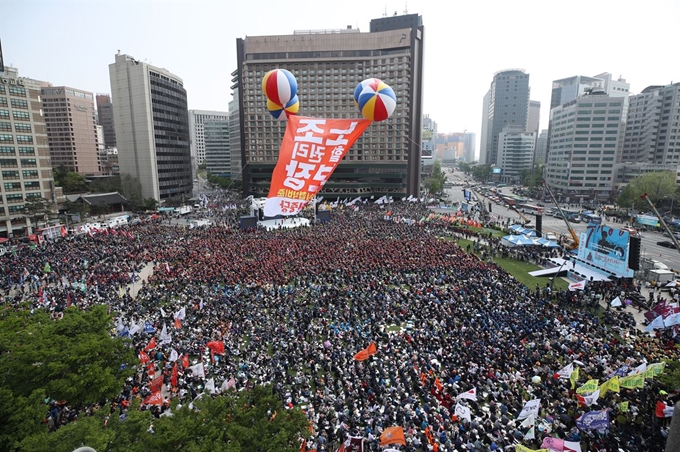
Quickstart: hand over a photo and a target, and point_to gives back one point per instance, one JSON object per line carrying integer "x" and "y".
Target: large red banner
{"x": 310, "y": 151}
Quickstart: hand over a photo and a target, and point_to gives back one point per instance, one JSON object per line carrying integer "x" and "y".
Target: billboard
{"x": 496, "y": 170}
{"x": 647, "y": 220}
{"x": 607, "y": 248}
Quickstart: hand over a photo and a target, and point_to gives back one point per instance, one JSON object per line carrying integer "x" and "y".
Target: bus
{"x": 591, "y": 218}
{"x": 531, "y": 209}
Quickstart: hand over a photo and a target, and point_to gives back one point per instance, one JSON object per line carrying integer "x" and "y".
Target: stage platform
{"x": 286, "y": 223}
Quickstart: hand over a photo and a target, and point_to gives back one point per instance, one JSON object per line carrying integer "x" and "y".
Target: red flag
{"x": 114, "y": 232}
{"x": 392, "y": 435}
{"x": 185, "y": 361}
{"x": 151, "y": 345}
{"x": 156, "y": 384}
{"x": 106, "y": 232}
{"x": 64, "y": 232}
{"x": 143, "y": 357}
{"x": 361, "y": 356}
{"x": 372, "y": 349}
{"x": 154, "y": 399}
{"x": 178, "y": 323}
{"x": 438, "y": 384}
{"x": 216, "y": 346}
{"x": 174, "y": 376}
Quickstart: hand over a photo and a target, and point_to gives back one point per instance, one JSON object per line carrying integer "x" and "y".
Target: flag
{"x": 166, "y": 338}
{"x": 616, "y": 302}
{"x": 392, "y": 435}
{"x": 656, "y": 324}
{"x": 673, "y": 319}
{"x": 663, "y": 410}
{"x": 610, "y": 385}
{"x": 520, "y": 448}
{"x": 588, "y": 386}
{"x": 303, "y": 166}
{"x": 530, "y": 408}
{"x": 352, "y": 444}
{"x": 438, "y": 384}
{"x": 151, "y": 345}
{"x": 633, "y": 381}
{"x": 573, "y": 378}
{"x": 154, "y": 399}
{"x": 471, "y": 394}
{"x": 143, "y": 357}
{"x": 572, "y": 446}
{"x": 134, "y": 327}
{"x": 216, "y": 347}
{"x": 197, "y": 370}
{"x": 174, "y": 376}
{"x": 362, "y": 355}
{"x": 593, "y": 420}
{"x": 231, "y": 383}
{"x": 623, "y": 407}
{"x": 531, "y": 434}
{"x": 226, "y": 384}
{"x": 639, "y": 369}
{"x": 463, "y": 412}
{"x": 566, "y": 371}
{"x": 657, "y": 368}
{"x": 167, "y": 267}
{"x": 156, "y": 384}
{"x": 592, "y": 398}
{"x": 210, "y": 386}
{"x": 185, "y": 361}
{"x": 181, "y": 314}
{"x": 64, "y": 232}
{"x": 178, "y": 324}
{"x": 553, "y": 444}
{"x": 372, "y": 349}
{"x": 528, "y": 422}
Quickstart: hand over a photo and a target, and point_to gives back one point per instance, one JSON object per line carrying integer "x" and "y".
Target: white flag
{"x": 197, "y": 370}
{"x": 200, "y": 305}
{"x": 616, "y": 302}
{"x": 119, "y": 326}
{"x": 463, "y": 412}
{"x": 566, "y": 371}
{"x": 639, "y": 369}
{"x": 181, "y": 314}
{"x": 528, "y": 422}
{"x": 134, "y": 327}
{"x": 592, "y": 398}
{"x": 174, "y": 356}
{"x": 210, "y": 386}
{"x": 572, "y": 446}
{"x": 165, "y": 338}
{"x": 531, "y": 407}
{"x": 162, "y": 313}
{"x": 673, "y": 319}
{"x": 530, "y": 434}
{"x": 668, "y": 411}
{"x": 471, "y": 394}
{"x": 656, "y": 324}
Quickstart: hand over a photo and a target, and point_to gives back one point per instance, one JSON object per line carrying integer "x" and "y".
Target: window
{"x": 26, "y": 151}
{"x": 29, "y": 163}
{"x": 11, "y": 174}
{"x": 19, "y": 115}
{"x": 29, "y": 174}
{"x": 21, "y": 127}
{"x": 6, "y": 126}
{"x": 4, "y": 114}
{"x": 6, "y": 150}
{"x": 6, "y": 138}
{"x": 17, "y": 90}
{"x": 19, "y": 103}
{"x": 24, "y": 139}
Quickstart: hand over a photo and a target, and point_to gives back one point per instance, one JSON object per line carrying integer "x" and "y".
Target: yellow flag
{"x": 649, "y": 373}
{"x": 657, "y": 368}
{"x": 612, "y": 385}
{"x": 633, "y": 381}
{"x": 603, "y": 388}
{"x": 520, "y": 448}
{"x": 623, "y": 407}
{"x": 573, "y": 377}
{"x": 589, "y": 386}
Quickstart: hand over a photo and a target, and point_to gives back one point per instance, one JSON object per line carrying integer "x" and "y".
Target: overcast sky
{"x": 72, "y": 42}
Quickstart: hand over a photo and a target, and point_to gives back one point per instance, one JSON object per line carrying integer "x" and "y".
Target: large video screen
{"x": 606, "y": 248}
{"x": 497, "y": 170}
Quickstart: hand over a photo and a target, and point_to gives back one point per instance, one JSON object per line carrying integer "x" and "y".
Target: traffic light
{"x": 634, "y": 248}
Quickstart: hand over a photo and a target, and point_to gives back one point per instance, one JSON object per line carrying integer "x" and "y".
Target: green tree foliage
{"x": 38, "y": 209}
{"x": 20, "y": 417}
{"x": 73, "y": 359}
{"x": 532, "y": 177}
{"x": 660, "y": 185}
{"x": 81, "y": 208}
{"x": 466, "y": 167}
{"x": 481, "y": 172}
{"x": 433, "y": 185}
{"x": 150, "y": 204}
{"x": 72, "y": 182}
{"x": 234, "y": 422}
{"x": 224, "y": 182}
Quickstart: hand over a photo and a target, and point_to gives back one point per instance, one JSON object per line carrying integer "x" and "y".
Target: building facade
{"x": 235, "y": 136}
{"x": 217, "y": 147}
{"x": 508, "y": 105}
{"x": 105, "y": 118}
{"x": 541, "y": 147}
{"x": 583, "y": 146}
{"x": 26, "y": 172}
{"x": 470, "y": 140}
{"x": 516, "y": 149}
{"x": 328, "y": 65}
{"x": 196, "y": 120}
{"x": 652, "y": 132}
{"x": 152, "y": 128}
{"x": 71, "y": 123}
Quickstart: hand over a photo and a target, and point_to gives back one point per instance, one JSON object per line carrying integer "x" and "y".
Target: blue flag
{"x": 593, "y": 420}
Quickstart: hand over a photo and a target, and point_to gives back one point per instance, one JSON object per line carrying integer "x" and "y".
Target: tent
{"x": 516, "y": 228}
{"x": 547, "y": 243}
{"x": 528, "y": 232}
{"x": 517, "y": 240}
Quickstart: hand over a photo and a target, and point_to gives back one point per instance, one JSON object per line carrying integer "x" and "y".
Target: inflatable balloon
{"x": 279, "y": 86}
{"x": 360, "y": 87}
{"x": 281, "y": 113}
{"x": 377, "y": 101}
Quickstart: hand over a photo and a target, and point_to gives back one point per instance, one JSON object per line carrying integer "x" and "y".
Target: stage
{"x": 286, "y": 223}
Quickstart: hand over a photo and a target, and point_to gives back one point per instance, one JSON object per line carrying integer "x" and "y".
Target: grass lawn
{"x": 520, "y": 270}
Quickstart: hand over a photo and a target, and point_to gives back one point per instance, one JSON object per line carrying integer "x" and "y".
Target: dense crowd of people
{"x": 292, "y": 307}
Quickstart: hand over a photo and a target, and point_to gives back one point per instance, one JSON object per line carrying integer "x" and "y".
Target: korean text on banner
{"x": 310, "y": 151}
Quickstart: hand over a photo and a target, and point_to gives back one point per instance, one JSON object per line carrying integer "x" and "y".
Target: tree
{"x": 481, "y": 172}
{"x": 532, "y": 177}
{"x": 657, "y": 185}
{"x": 433, "y": 185}
{"x": 37, "y": 209}
{"x": 80, "y": 208}
{"x": 150, "y": 204}
{"x": 73, "y": 182}
{"x": 438, "y": 174}
{"x": 243, "y": 421}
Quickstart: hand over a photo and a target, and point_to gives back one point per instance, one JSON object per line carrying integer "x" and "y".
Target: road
{"x": 650, "y": 249}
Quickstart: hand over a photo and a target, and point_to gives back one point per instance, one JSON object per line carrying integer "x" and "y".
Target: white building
{"x": 515, "y": 152}
{"x": 152, "y": 128}
{"x": 196, "y": 120}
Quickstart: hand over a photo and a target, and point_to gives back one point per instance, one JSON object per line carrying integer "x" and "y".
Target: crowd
{"x": 292, "y": 307}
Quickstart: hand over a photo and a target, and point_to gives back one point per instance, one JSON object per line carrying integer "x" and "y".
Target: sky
{"x": 72, "y": 42}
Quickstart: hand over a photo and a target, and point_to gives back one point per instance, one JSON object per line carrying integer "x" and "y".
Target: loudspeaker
{"x": 634, "y": 247}
{"x": 490, "y": 208}
{"x": 248, "y": 223}
{"x": 260, "y": 214}
{"x": 539, "y": 225}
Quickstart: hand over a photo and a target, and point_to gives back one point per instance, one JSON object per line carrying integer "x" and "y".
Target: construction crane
{"x": 574, "y": 237}
{"x": 663, "y": 223}
{"x": 526, "y": 221}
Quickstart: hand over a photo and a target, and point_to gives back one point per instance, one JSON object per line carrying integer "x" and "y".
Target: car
{"x": 666, "y": 244}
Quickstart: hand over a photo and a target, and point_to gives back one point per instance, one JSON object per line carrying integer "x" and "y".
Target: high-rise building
{"x": 571, "y": 88}
{"x": 24, "y": 154}
{"x": 429, "y": 137}
{"x": 484, "y": 137}
{"x": 72, "y": 129}
{"x": 105, "y": 117}
{"x": 534, "y": 117}
{"x": 217, "y": 147}
{"x": 152, "y": 128}
{"x": 235, "y": 136}
{"x": 541, "y": 147}
{"x": 508, "y": 105}
{"x": 328, "y": 65}
{"x": 583, "y": 145}
{"x": 470, "y": 141}
{"x": 196, "y": 120}
{"x": 653, "y": 124}
{"x": 515, "y": 152}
